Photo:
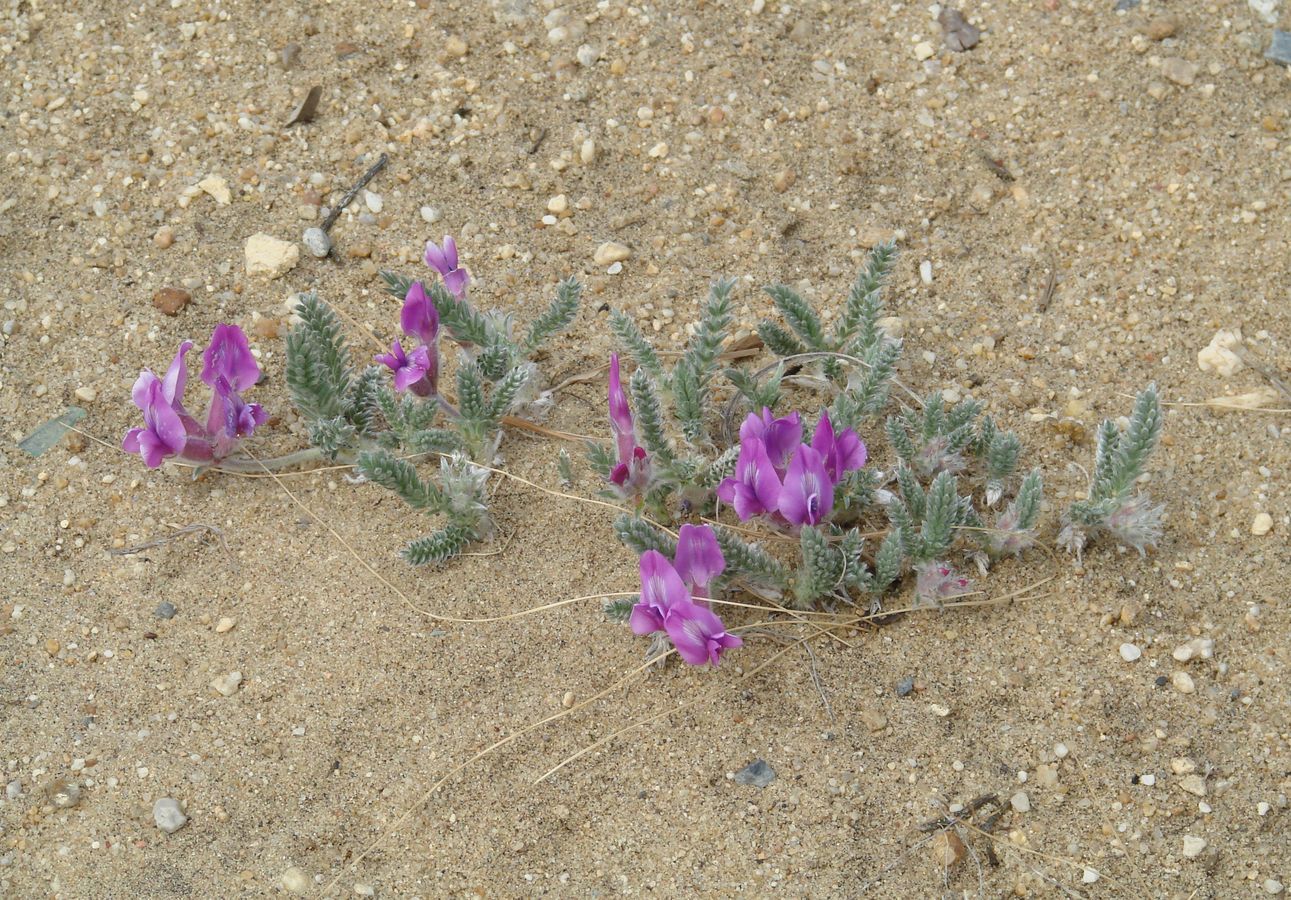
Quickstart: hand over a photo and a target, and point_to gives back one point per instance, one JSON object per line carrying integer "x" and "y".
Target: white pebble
{"x": 86, "y": 394}
{"x": 1183, "y": 682}
{"x": 587, "y": 55}
{"x": 587, "y": 152}
{"x": 374, "y": 202}
{"x": 227, "y": 685}
{"x": 1148, "y": 780}
{"x": 294, "y": 881}
{"x": 1060, "y": 751}
{"x": 1089, "y": 876}
{"x": 1272, "y": 886}
{"x": 430, "y": 214}
{"x": 925, "y": 271}
{"x": 1193, "y": 846}
{"x": 1020, "y": 802}
{"x": 1130, "y": 652}
{"x": 1262, "y": 524}
{"x": 168, "y": 816}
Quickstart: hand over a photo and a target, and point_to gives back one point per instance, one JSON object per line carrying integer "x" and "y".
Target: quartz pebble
{"x": 294, "y": 881}
{"x": 374, "y": 202}
{"x": 269, "y": 256}
{"x": 610, "y": 252}
{"x": 65, "y": 794}
{"x": 1130, "y": 652}
{"x": 587, "y": 151}
{"x": 227, "y": 685}
{"x": 217, "y": 187}
{"x": 1183, "y": 682}
{"x": 1193, "y": 846}
{"x": 755, "y": 774}
{"x": 1220, "y": 356}
{"x": 430, "y": 214}
{"x": 225, "y": 625}
{"x": 1203, "y": 648}
{"x": 1089, "y": 876}
{"x": 925, "y": 271}
{"x": 1262, "y": 524}
{"x": 1272, "y": 886}
{"x": 167, "y": 814}
{"x": 1020, "y": 802}
{"x": 1193, "y": 784}
{"x": 1180, "y": 71}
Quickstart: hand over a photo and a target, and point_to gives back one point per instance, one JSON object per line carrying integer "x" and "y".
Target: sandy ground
{"x": 774, "y": 144}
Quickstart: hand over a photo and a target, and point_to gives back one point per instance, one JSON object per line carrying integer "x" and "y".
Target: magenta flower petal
{"x": 419, "y": 317}
{"x": 620, "y": 414}
{"x": 645, "y": 619}
{"x": 780, "y": 436}
{"x": 698, "y": 634}
{"x": 808, "y": 494}
{"x": 163, "y": 433}
{"x": 456, "y": 281}
{"x": 661, "y": 586}
{"x": 444, "y": 261}
{"x": 229, "y": 356}
{"x": 699, "y": 559}
{"x": 841, "y": 453}
{"x": 755, "y": 489}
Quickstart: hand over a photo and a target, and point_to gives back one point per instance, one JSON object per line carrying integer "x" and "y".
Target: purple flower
{"x": 699, "y": 559}
{"x": 697, "y": 633}
{"x": 445, "y": 263}
{"x": 419, "y": 317}
{"x": 808, "y": 494}
{"x": 756, "y": 487}
{"x": 237, "y": 418}
{"x": 632, "y": 472}
{"x": 412, "y": 371}
{"x": 842, "y": 453}
{"x": 228, "y": 357}
{"x": 780, "y": 437}
{"x": 163, "y": 433}
{"x": 665, "y": 605}
{"x": 620, "y": 415}
{"x": 661, "y": 587}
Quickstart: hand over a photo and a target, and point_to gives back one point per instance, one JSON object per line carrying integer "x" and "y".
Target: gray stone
{"x": 317, "y": 242}
{"x": 905, "y": 686}
{"x": 756, "y": 773}
{"x": 168, "y": 816}
{"x": 1122, "y": 5}
{"x": 165, "y": 610}
{"x": 1280, "y": 50}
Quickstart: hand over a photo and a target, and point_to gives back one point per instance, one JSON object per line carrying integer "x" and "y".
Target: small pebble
{"x": 317, "y": 242}
{"x": 1193, "y": 784}
{"x": 568, "y": 700}
{"x": 1060, "y": 751}
{"x": 430, "y": 214}
{"x": 587, "y": 151}
{"x": 227, "y": 685}
{"x": 86, "y": 393}
{"x": 294, "y": 881}
{"x": 1280, "y": 49}
{"x": 924, "y": 50}
{"x": 218, "y": 188}
{"x": 1272, "y": 886}
{"x": 1020, "y": 802}
{"x": 225, "y": 625}
{"x": 610, "y": 252}
{"x": 1161, "y": 27}
{"x": 1089, "y": 876}
{"x": 164, "y": 237}
{"x": 1130, "y": 652}
{"x": 783, "y": 180}
{"x": 374, "y": 202}
{"x": 756, "y": 773}
{"x": 1183, "y": 682}
{"x": 454, "y": 48}
{"x": 558, "y": 204}
{"x": 65, "y": 794}
{"x": 170, "y": 300}
{"x": 1182, "y": 765}
{"x": 1193, "y": 846}
{"x": 364, "y": 890}
{"x": 905, "y": 686}
{"x": 165, "y": 610}
{"x": 925, "y": 271}
{"x": 1262, "y": 524}
{"x": 947, "y": 848}
{"x": 1180, "y": 71}
{"x": 168, "y": 815}
{"x": 269, "y": 256}
{"x": 52, "y": 647}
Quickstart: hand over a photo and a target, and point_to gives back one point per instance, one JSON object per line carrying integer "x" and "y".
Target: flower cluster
{"x": 228, "y": 368}
{"x": 673, "y": 595}
{"x": 631, "y": 472}
{"x": 418, "y": 370}
{"x": 779, "y": 476}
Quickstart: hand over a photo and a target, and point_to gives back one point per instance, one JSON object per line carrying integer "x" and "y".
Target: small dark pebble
{"x": 150, "y": 635}
{"x": 1134, "y": 779}
{"x": 756, "y": 773}
{"x": 165, "y": 610}
{"x": 1161, "y": 681}
{"x": 905, "y": 686}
